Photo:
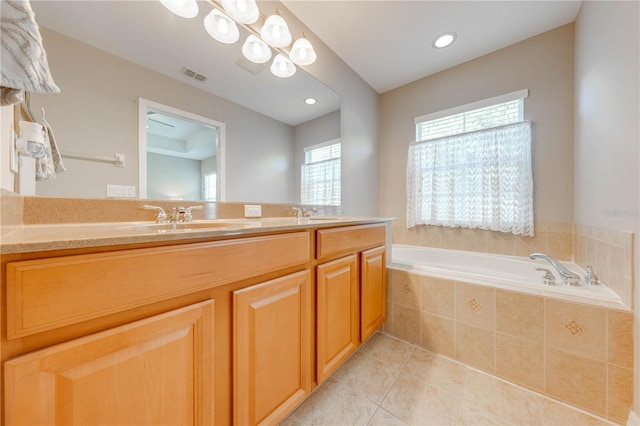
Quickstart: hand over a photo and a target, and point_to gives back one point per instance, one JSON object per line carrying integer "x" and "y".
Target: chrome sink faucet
{"x": 304, "y": 214}
{"x": 566, "y": 275}
{"x": 182, "y": 214}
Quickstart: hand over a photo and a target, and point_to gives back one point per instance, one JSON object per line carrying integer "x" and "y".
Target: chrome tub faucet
{"x": 567, "y": 276}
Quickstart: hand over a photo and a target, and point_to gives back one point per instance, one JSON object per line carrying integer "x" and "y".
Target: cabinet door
{"x": 373, "y": 289}
{"x": 272, "y": 348}
{"x": 338, "y": 313}
{"x": 155, "y": 371}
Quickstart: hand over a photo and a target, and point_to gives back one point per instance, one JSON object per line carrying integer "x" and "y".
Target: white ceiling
{"x": 388, "y": 43}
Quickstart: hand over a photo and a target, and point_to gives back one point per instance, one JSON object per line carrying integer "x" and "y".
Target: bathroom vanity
{"x": 228, "y": 325}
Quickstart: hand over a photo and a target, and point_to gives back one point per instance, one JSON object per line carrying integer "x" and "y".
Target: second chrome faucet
{"x": 567, "y": 276}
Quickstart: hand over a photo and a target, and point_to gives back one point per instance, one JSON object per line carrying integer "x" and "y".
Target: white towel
{"x": 24, "y": 61}
{"x": 47, "y": 167}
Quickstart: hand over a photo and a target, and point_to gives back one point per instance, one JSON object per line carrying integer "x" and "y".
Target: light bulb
{"x": 221, "y": 27}
{"x": 183, "y": 8}
{"x": 256, "y": 50}
{"x": 242, "y": 11}
{"x": 275, "y": 32}
{"x": 302, "y": 52}
{"x": 282, "y": 67}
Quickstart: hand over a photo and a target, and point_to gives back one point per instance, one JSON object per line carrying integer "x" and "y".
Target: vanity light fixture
{"x": 275, "y": 31}
{"x": 256, "y": 50}
{"x": 444, "y": 40}
{"x": 220, "y": 23}
{"x": 221, "y": 27}
{"x": 302, "y": 52}
{"x": 310, "y": 101}
{"x": 282, "y": 67}
{"x": 182, "y": 8}
{"x": 242, "y": 11}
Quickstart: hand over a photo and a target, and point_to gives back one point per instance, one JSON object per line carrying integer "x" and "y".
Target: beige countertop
{"x": 45, "y": 237}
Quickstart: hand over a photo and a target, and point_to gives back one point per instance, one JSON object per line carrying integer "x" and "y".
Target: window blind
{"x": 471, "y": 121}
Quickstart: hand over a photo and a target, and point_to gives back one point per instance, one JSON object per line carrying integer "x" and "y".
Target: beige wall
{"x": 542, "y": 64}
{"x": 607, "y": 181}
{"x": 96, "y": 114}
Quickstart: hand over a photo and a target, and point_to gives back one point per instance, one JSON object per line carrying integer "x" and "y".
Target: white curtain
{"x": 481, "y": 179}
{"x": 321, "y": 183}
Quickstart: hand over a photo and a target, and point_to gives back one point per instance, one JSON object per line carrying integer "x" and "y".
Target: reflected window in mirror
{"x": 321, "y": 174}
{"x": 209, "y": 182}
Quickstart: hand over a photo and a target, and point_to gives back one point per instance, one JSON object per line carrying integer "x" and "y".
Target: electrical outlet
{"x": 251, "y": 210}
{"x": 121, "y": 191}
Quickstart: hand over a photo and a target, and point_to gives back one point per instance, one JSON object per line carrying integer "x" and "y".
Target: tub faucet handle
{"x": 548, "y": 278}
{"x": 590, "y": 278}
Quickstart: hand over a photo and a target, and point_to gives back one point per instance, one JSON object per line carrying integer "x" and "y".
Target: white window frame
{"x": 507, "y": 97}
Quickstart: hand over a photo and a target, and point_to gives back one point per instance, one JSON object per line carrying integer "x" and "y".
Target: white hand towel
{"x": 24, "y": 61}
{"x": 56, "y": 157}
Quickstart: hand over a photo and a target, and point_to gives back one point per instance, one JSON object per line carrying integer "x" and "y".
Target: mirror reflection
{"x": 181, "y": 159}
{"x": 130, "y": 50}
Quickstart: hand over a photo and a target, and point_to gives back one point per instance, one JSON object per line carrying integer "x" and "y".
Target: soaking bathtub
{"x": 506, "y": 272}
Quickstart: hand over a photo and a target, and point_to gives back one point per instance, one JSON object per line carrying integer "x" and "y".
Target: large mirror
{"x": 106, "y": 56}
{"x": 181, "y": 154}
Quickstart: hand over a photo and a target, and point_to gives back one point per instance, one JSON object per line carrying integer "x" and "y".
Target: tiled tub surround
{"x": 506, "y": 272}
{"x": 577, "y": 353}
{"x": 610, "y": 253}
{"x": 554, "y": 239}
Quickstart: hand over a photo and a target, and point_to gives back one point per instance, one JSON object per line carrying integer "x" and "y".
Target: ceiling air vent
{"x": 190, "y": 73}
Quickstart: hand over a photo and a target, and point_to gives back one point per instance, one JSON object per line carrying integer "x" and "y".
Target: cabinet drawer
{"x": 349, "y": 239}
{"x": 45, "y": 294}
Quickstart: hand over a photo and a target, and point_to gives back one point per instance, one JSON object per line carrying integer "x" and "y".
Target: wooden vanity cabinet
{"x": 351, "y": 291}
{"x": 271, "y": 348}
{"x": 155, "y": 371}
{"x": 373, "y": 289}
{"x": 337, "y": 313}
{"x": 234, "y": 331}
{"x": 144, "y": 335}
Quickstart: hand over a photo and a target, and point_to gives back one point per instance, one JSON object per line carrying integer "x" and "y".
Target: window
{"x": 209, "y": 186}
{"x": 465, "y": 122}
{"x": 321, "y": 174}
{"x": 471, "y": 167}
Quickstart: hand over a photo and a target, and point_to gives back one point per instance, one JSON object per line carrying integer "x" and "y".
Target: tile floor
{"x": 391, "y": 382}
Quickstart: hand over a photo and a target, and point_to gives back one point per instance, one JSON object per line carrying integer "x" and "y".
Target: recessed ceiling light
{"x": 444, "y": 40}
{"x": 310, "y": 101}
